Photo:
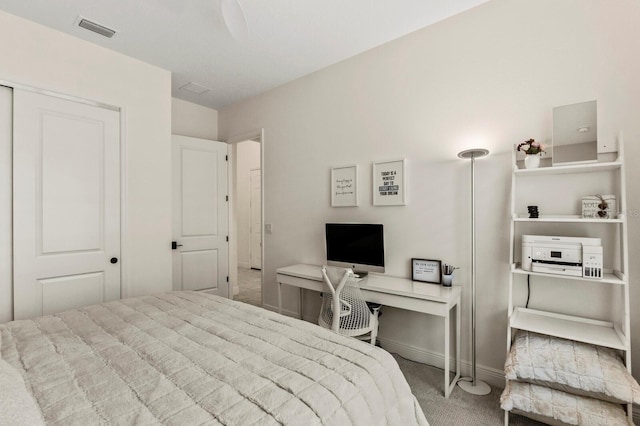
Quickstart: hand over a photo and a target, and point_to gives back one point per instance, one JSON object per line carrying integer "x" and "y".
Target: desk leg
{"x": 449, "y": 385}
{"x": 280, "y": 298}
{"x": 447, "y": 344}
{"x": 301, "y": 301}
{"x": 457, "y": 341}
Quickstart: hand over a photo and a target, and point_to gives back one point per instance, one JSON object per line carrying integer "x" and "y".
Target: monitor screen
{"x": 358, "y": 246}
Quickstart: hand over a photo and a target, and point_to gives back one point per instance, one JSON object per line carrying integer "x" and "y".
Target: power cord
{"x": 528, "y": 290}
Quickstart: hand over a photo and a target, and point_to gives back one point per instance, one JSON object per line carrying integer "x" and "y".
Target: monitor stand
{"x": 361, "y": 274}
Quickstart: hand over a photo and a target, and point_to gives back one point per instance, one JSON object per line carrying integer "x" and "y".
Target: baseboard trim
{"x": 286, "y": 312}
{"x": 492, "y": 376}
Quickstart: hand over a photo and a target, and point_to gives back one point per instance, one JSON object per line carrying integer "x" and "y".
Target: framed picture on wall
{"x": 389, "y": 183}
{"x": 428, "y": 271}
{"x": 344, "y": 186}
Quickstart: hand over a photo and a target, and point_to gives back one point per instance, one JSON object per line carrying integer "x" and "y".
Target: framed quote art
{"x": 426, "y": 270}
{"x": 344, "y": 186}
{"x": 389, "y": 183}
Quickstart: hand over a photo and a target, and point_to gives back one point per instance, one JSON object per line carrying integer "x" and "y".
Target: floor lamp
{"x": 475, "y": 387}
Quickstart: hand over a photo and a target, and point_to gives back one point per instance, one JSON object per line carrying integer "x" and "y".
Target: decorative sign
{"x": 344, "y": 186}
{"x": 426, "y": 270}
{"x": 599, "y": 207}
{"x": 389, "y": 183}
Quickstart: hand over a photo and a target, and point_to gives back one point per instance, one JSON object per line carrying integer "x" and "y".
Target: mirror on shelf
{"x": 575, "y": 133}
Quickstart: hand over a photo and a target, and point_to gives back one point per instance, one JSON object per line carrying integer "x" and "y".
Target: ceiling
{"x": 281, "y": 41}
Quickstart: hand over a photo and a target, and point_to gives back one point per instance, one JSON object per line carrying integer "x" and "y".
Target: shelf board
{"x": 609, "y": 278}
{"x": 572, "y": 168}
{"x": 564, "y": 219}
{"x": 586, "y": 330}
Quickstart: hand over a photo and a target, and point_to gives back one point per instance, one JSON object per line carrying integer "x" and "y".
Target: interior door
{"x": 256, "y": 220}
{"x": 66, "y": 204}
{"x": 200, "y": 215}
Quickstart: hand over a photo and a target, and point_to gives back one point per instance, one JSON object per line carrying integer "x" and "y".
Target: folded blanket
{"x": 560, "y": 408}
{"x": 574, "y": 367}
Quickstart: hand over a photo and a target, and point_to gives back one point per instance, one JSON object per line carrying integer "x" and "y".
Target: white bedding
{"x": 192, "y": 358}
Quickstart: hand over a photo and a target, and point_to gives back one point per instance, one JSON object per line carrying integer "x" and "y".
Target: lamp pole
{"x": 475, "y": 387}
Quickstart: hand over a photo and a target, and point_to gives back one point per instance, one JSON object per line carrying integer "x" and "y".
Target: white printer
{"x": 573, "y": 256}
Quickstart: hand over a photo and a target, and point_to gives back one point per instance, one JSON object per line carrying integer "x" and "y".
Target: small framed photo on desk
{"x": 425, "y": 270}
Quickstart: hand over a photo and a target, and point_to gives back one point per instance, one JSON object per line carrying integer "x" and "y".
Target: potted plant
{"x": 533, "y": 151}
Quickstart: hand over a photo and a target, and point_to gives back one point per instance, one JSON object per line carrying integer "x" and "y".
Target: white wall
{"x": 40, "y": 57}
{"x": 189, "y": 119}
{"x": 488, "y": 77}
{"x": 247, "y": 158}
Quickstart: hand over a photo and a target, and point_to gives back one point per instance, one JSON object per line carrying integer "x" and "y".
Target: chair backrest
{"x": 335, "y": 278}
{"x": 346, "y": 298}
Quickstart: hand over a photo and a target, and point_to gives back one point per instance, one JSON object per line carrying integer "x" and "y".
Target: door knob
{"x": 114, "y": 260}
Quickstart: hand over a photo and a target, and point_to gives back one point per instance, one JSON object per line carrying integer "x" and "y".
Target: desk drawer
{"x": 408, "y": 303}
{"x": 299, "y": 282}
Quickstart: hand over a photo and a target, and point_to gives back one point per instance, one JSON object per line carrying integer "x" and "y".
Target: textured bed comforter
{"x": 192, "y": 358}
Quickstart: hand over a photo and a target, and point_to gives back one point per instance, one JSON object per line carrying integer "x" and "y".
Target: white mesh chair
{"x": 342, "y": 294}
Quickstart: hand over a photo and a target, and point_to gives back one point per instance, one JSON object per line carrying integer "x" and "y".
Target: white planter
{"x": 531, "y": 161}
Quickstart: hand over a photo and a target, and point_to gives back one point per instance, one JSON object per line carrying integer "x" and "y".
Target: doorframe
{"x": 6, "y": 207}
{"x": 256, "y": 135}
{"x": 122, "y": 112}
{"x": 261, "y": 224}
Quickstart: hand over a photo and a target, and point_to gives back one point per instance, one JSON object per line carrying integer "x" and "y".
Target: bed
{"x": 194, "y": 358}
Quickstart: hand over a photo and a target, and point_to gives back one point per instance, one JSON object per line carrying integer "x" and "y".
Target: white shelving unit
{"x": 601, "y": 333}
{"x": 561, "y": 214}
{"x": 614, "y": 277}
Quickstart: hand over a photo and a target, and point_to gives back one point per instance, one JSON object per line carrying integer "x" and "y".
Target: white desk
{"x": 400, "y": 293}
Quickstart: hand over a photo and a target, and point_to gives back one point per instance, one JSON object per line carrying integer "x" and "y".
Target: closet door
{"x": 66, "y": 201}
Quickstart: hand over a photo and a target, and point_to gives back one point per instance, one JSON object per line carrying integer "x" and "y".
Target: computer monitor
{"x": 359, "y": 246}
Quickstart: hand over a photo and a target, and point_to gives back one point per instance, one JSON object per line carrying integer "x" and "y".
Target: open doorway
{"x": 247, "y": 211}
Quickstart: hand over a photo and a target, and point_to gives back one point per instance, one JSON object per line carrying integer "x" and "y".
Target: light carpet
{"x": 250, "y": 285}
{"x": 461, "y": 409}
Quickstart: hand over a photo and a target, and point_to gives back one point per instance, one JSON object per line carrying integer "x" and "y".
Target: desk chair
{"x": 342, "y": 294}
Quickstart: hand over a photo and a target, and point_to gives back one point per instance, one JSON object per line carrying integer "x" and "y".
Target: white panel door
{"x": 200, "y": 216}
{"x": 66, "y": 204}
{"x": 256, "y": 220}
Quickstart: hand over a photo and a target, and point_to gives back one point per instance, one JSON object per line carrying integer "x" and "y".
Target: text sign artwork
{"x": 425, "y": 267}
{"x": 344, "y": 186}
{"x": 426, "y": 270}
{"x": 389, "y": 183}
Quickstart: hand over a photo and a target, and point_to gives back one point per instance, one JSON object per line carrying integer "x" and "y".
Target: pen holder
{"x": 447, "y": 280}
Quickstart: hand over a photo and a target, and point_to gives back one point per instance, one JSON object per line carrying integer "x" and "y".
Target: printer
{"x": 572, "y": 256}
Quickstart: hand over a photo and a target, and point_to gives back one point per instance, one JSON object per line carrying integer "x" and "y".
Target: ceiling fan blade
{"x": 173, "y": 6}
{"x": 234, "y": 19}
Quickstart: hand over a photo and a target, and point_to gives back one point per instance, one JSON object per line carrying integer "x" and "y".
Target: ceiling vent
{"x": 95, "y": 27}
{"x": 195, "y": 88}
